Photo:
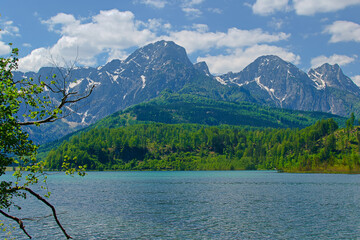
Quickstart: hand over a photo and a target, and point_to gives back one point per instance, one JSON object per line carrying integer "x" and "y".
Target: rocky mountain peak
{"x": 275, "y": 81}
{"x": 272, "y": 62}
{"x": 272, "y": 72}
{"x": 266, "y": 59}
{"x": 158, "y": 54}
{"x": 202, "y": 67}
{"x": 328, "y": 75}
{"x": 112, "y": 66}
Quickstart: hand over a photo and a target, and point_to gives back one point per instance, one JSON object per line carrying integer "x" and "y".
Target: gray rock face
{"x": 203, "y": 68}
{"x": 119, "y": 84}
{"x": 276, "y": 82}
{"x": 339, "y": 93}
{"x": 332, "y": 76}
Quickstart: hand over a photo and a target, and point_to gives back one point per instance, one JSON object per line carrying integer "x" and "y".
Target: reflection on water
{"x": 200, "y": 205}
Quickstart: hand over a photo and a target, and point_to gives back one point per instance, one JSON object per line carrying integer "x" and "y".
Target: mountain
{"x": 119, "y": 84}
{"x": 332, "y": 76}
{"x": 275, "y": 82}
{"x": 165, "y": 67}
{"x": 339, "y": 94}
{"x": 203, "y": 68}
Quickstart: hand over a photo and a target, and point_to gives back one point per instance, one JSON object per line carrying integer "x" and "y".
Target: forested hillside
{"x": 173, "y": 108}
{"x": 321, "y": 147}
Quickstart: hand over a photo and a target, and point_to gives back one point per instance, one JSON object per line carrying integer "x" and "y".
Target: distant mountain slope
{"x": 275, "y": 82}
{"x": 185, "y": 108}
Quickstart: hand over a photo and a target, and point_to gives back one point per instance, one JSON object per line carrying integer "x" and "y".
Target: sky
{"x": 226, "y": 34}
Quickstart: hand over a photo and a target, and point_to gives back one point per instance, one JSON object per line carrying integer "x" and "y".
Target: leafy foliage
{"x": 23, "y": 103}
{"x": 14, "y": 143}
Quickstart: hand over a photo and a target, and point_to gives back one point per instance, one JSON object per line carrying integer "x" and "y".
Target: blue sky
{"x": 227, "y": 34}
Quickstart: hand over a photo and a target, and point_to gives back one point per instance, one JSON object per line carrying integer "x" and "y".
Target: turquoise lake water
{"x": 198, "y": 205}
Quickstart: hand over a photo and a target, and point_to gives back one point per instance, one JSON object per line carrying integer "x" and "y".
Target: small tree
{"x": 27, "y": 97}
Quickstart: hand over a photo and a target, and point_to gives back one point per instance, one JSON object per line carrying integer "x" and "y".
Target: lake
{"x": 198, "y": 205}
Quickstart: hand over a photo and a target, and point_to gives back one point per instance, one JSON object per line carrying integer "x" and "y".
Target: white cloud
{"x": 37, "y": 58}
{"x": 215, "y": 10}
{"x": 188, "y": 8}
{"x": 233, "y": 38}
{"x": 238, "y": 38}
{"x": 342, "y": 60}
{"x": 191, "y": 3}
{"x": 310, "y": 7}
{"x": 193, "y": 40}
{"x": 117, "y": 54}
{"x": 155, "y": 25}
{"x": 240, "y": 58}
{"x": 154, "y": 3}
{"x": 356, "y": 79}
{"x": 61, "y": 19}
{"x": 343, "y": 31}
{"x": 200, "y": 27}
{"x": 192, "y": 12}
{"x": 276, "y": 23}
{"x": 266, "y": 7}
{"x": 301, "y": 7}
{"x": 107, "y": 31}
{"x": 112, "y": 33}
{"x": 7, "y": 28}
{"x": 4, "y": 48}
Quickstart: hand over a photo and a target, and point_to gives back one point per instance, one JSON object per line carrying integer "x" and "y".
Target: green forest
{"x": 321, "y": 147}
{"x": 173, "y": 108}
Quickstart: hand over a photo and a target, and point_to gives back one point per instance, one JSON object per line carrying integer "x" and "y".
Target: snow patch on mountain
{"x": 113, "y": 77}
{"x": 220, "y": 80}
{"x": 143, "y": 79}
{"x": 76, "y": 83}
{"x": 243, "y": 84}
{"x": 317, "y": 78}
{"x": 91, "y": 83}
{"x": 271, "y": 91}
{"x": 70, "y": 123}
{"x": 262, "y": 86}
{"x": 84, "y": 117}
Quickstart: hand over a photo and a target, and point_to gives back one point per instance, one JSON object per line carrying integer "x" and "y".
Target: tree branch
{"x": 62, "y": 103}
{"x": 18, "y": 220}
{"x": 39, "y": 197}
{"x": 49, "y": 205}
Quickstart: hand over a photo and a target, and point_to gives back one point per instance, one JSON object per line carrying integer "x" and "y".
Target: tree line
{"x": 156, "y": 146}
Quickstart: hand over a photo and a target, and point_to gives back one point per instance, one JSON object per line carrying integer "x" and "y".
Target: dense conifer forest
{"x": 322, "y": 147}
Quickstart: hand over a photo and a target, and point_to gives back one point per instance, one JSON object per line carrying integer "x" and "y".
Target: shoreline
{"x": 11, "y": 169}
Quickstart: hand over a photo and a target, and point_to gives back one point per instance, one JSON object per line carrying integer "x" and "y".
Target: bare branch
{"x": 49, "y": 205}
{"x": 62, "y": 103}
{"x": 18, "y": 220}
{"x": 51, "y": 89}
{"x": 52, "y": 118}
{"x": 58, "y": 88}
{"x": 81, "y": 98}
{"x": 39, "y": 197}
